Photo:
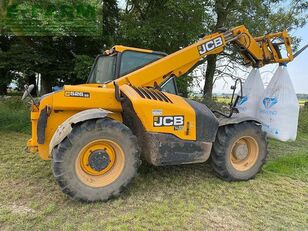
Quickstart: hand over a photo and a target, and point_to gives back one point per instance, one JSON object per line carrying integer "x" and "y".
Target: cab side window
{"x": 170, "y": 87}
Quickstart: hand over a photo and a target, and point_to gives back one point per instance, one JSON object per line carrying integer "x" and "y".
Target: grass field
{"x": 14, "y": 115}
{"x": 167, "y": 198}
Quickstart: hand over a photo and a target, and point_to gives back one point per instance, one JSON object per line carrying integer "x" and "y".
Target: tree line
{"x": 59, "y": 39}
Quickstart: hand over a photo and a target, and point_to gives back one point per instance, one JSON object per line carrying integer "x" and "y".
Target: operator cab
{"x": 120, "y": 61}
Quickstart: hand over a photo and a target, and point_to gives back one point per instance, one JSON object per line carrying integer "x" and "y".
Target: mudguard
{"x": 66, "y": 127}
{"x": 236, "y": 120}
{"x": 206, "y": 122}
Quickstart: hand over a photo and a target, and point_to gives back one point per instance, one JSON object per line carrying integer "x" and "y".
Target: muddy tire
{"x": 96, "y": 161}
{"x": 239, "y": 151}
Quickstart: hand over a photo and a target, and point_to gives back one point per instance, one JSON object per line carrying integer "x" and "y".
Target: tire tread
{"x": 224, "y": 135}
{"x": 66, "y": 145}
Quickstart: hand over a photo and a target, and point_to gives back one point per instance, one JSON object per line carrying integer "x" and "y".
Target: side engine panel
{"x": 169, "y": 128}
{"x": 162, "y": 113}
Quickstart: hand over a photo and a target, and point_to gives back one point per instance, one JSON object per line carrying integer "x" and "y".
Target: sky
{"x": 298, "y": 69}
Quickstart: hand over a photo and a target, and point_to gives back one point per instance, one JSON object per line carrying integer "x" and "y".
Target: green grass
{"x": 166, "y": 198}
{"x": 303, "y": 121}
{"x": 294, "y": 166}
{"x": 15, "y": 115}
{"x": 223, "y": 100}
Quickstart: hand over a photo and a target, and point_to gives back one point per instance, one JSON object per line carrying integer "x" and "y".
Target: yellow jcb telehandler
{"x": 96, "y": 133}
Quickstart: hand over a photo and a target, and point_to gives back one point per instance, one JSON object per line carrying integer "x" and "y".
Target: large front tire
{"x": 239, "y": 151}
{"x": 96, "y": 160}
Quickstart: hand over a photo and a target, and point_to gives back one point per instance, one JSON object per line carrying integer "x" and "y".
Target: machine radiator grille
{"x": 150, "y": 93}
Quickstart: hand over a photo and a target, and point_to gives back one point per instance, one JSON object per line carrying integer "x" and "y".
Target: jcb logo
{"x": 210, "y": 45}
{"x": 162, "y": 121}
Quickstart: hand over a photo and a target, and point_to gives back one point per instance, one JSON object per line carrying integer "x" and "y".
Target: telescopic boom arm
{"x": 256, "y": 51}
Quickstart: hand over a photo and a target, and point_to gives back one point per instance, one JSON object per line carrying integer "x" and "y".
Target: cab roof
{"x": 121, "y": 48}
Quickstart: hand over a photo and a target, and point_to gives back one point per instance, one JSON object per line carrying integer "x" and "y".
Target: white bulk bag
{"x": 279, "y": 108}
{"x": 253, "y": 91}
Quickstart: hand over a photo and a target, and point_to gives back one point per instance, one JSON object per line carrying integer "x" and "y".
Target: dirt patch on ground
{"x": 20, "y": 209}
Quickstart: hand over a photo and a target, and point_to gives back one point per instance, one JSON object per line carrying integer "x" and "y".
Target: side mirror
{"x": 27, "y": 91}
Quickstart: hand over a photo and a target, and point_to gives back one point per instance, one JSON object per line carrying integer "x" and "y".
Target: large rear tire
{"x": 239, "y": 151}
{"x": 96, "y": 161}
